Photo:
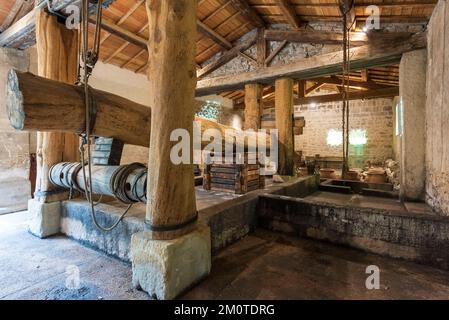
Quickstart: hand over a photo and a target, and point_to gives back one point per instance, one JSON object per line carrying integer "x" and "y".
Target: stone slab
{"x": 166, "y": 268}
{"x": 44, "y": 218}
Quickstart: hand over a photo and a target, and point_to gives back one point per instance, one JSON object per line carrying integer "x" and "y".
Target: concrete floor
{"x": 263, "y": 265}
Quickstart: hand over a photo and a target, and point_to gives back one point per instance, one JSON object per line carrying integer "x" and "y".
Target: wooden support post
{"x": 57, "y": 60}
{"x": 261, "y": 48}
{"x": 284, "y": 124}
{"x": 172, "y": 45}
{"x": 301, "y": 89}
{"x": 253, "y": 106}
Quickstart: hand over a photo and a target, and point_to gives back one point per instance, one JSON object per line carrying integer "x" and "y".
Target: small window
{"x": 399, "y": 118}
{"x": 334, "y": 138}
{"x": 357, "y": 137}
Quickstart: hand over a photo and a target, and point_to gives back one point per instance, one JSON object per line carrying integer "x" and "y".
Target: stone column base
{"x": 166, "y": 268}
{"x": 44, "y": 218}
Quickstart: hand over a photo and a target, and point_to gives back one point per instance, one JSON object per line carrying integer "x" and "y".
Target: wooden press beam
{"x": 34, "y": 104}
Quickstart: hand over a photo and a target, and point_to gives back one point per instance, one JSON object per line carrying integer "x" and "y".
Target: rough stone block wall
{"x": 295, "y": 51}
{"x": 374, "y": 115}
{"x": 15, "y": 189}
{"x": 437, "y": 110}
{"x": 411, "y": 236}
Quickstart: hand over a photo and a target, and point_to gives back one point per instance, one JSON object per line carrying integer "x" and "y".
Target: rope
{"x": 89, "y": 59}
{"x": 345, "y": 85}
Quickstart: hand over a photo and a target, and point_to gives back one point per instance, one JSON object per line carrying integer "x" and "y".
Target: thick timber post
{"x": 284, "y": 124}
{"x": 253, "y": 106}
{"x": 57, "y": 60}
{"x": 174, "y": 252}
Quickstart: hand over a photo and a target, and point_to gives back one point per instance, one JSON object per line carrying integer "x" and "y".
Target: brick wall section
{"x": 374, "y": 115}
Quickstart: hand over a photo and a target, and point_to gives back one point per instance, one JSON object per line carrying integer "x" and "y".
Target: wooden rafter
{"x": 384, "y": 53}
{"x": 352, "y": 83}
{"x": 124, "y": 45}
{"x": 20, "y": 8}
{"x": 328, "y": 37}
{"x": 124, "y": 18}
{"x": 227, "y": 56}
{"x": 352, "y": 95}
{"x": 215, "y": 36}
{"x": 313, "y": 88}
{"x": 248, "y": 12}
{"x": 288, "y": 10}
{"x": 275, "y": 52}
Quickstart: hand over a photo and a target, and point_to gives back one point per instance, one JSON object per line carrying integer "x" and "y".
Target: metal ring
{"x": 172, "y": 227}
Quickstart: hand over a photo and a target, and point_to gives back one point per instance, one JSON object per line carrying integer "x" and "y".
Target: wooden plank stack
{"x": 234, "y": 178}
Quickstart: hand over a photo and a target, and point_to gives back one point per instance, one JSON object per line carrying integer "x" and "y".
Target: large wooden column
{"x": 284, "y": 124}
{"x": 253, "y": 106}
{"x": 57, "y": 60}
{"x": 172, "y": 75}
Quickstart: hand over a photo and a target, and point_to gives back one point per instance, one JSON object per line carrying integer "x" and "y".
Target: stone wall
{"x": 412, "y": 235}
{"x": 15, "y": 189}
{"x": 374, "y": 115}
{"x": 437, "y": 110}
{"x": 295, "y": 51}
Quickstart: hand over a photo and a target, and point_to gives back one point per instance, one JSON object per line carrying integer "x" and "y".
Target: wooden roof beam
{"x": 327, "y": 37}
{"x": 289, "y": 12}
{"x": 347, "y": 8}
{"x": 357, "y": 95}
{"x": 352, "y": 83}
{"x": 213, "y": 35}
{"x": 248, "y": 12}
{"x": 227, "y": 56}
{"x": 383, "y": 53}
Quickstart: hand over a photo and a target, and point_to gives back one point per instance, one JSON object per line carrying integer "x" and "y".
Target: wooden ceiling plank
{"x": 123, "y": 46}
{"x": 289, "y": 12}
{"x": 11, "y": 17}
{"x": 138, "y": 54}
{"x": 248, "y": 12}
{"x": 213, "y": 35}
{"x": 124, "y": 18}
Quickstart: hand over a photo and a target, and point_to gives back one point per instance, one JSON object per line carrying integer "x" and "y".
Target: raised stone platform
{"x": 384, "y": 226}
{"x": 230, "y": 217}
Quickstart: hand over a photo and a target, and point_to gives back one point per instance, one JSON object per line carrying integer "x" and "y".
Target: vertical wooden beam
{"x": 301, "y": 89}
{"x": 364, "y": 73}
{"x": 253, "y": 106}
{"x": 171, "y": 193}
{"x": 284, "y": 124}
{"x": 57, "y": 60}
{"x": 261, "y": 48}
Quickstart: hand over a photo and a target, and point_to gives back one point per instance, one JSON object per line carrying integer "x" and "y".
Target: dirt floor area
{"x": 264, "y": 265}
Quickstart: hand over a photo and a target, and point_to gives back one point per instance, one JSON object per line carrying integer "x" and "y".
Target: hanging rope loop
{"x": 89, "y": 58}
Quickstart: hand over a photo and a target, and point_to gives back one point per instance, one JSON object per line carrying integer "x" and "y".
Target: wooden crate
{"x": 234, "y": 178}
